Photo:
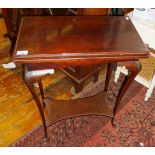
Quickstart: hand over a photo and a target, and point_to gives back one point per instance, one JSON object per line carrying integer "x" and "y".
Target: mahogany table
{"x": 62, "y": 41}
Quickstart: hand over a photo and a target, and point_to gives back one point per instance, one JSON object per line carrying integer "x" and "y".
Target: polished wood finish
{"x": 82, "y": 38}
{"x": 60, "y": 109}
{"x": 32, "y": 90}
{"x": 93, "y": 11}
{"x": 80, "y": 74}
{"x": 4, "y": 42}
{"x": 108, "y": 76}
{"x": 127, "y": 10}
{"x": 93, "y": 105}
{"x": 18, "y": 111}
{"x": 79, "y": 41}
{"x": 134, "y": 68}
{"x": 12, "y": 19}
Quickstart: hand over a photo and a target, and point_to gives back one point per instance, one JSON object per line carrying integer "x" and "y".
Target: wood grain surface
{"x": 66, "y": 39}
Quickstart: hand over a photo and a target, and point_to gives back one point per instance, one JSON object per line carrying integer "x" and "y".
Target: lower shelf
{"x": 62, "y": 109}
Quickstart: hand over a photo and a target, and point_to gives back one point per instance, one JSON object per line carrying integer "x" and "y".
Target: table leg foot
{"x": 45, "y": 138}
{"x": 113, "y": 123}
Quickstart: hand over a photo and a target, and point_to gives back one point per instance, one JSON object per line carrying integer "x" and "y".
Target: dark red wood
{"x": 80, "y": 74}
{"x": 60, "y": 42}
{"x": 108, "y": 76}
{"x": 60, "y": 109}
{"x": 39, "y": 105}
{"x": 134, "y": 68}
{"x": 66, "y": 40}
{"x": 41, "y": 92}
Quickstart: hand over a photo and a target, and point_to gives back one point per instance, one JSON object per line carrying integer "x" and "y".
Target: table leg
{"x": 134, "y": 68}
{"x": 78, "y": 86}
{"x": 41, "y": 92}
{"x": 35, "y": 96}
{"x": 108, "y": 76}
{"x": 79, "y": 74}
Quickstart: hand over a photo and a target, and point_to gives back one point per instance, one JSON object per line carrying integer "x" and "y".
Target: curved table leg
{"x": 35, "y": 96}
{"x": 134, "y": 68}
{"x": 41, "y": 92}
{"x": 30, "y": 84}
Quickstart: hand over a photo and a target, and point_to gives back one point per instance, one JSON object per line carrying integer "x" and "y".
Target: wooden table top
{"x": 52, "y": 38}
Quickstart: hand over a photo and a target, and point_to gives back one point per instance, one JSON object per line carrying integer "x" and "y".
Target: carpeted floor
{"x": 135, "y": 123}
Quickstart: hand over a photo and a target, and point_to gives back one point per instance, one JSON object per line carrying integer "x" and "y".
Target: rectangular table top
{"x": 77, "y": 37}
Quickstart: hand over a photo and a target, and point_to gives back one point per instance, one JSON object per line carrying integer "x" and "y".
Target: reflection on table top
{"x": 74, "y": 36}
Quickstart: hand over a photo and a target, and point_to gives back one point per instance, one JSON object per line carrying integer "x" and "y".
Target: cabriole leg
{"x": 134, "y": 68}
{"x": 35, "y": 96}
